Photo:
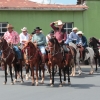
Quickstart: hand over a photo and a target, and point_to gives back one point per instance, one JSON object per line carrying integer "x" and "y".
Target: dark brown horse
{"x": 32, "y": 58}
{"x": 9, "y": 58}
{"x": 57, "y": 57}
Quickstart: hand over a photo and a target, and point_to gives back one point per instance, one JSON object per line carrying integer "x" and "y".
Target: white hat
{"x": 79, "y": 32}
{"x": 24, "y": 29}
{"x": 75, "y": 28}
{"x": 60, "y": 22}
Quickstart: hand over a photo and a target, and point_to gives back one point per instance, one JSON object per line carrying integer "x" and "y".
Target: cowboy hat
{"x": 75, "y": 28}
{"x": 51, "y": 32}
{"x": 37, "y": 28}
{"x": 24, "y": 29}
{"x": 80, "y": 32}
{"x": 9, "y": 26}
{"x": 59, "y": 22}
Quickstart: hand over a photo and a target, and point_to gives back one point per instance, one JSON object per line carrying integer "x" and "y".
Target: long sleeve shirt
{"x": 60, "y": 35}
{"x": 12, "y": 37}
{"x": 73, "y": 36}
{"x": 39, "y": 38}
{"x": 24, "y": 37}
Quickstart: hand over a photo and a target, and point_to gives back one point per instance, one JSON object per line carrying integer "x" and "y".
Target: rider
{"x": 60, "y": 33}
{"x": 40, "y": 41}
{"x": 24, "y": 36}
{"x": 73, "y": 36}
{"x": 49, "y": 36}
{"x": 13, "y": 39}
{"x": 81, "y": 43}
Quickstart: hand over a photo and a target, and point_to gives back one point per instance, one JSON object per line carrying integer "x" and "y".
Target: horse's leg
{"x": 42, "y": 81}
{"x": 15, "y": 73}
{"x": 96, "y": 63}
{"x": 52, "y": 76}
{"x": 99, "y": 60}
{"x": 78, "y": 64}
{"x": 36, "y": 75}
{"x": 39, "y": 71}
{"x": 68, "y": 74}
{"x": 91, "y": 63}
{"x": 21, "y": 71}
{"x": 64, "y": 71}
{"x": 60, "y": 77}
{"x": 5, "y": 74}
{"x": 10, "y": 67}
{"x": 7, "y": 69}
{"x": 27, "y": 72}
{"x": 32, "y": 70}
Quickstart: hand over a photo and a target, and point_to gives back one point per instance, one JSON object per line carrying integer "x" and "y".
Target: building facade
{"x": 85, "y": 16}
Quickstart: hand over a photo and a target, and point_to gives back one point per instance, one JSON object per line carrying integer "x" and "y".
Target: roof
{"x": 29, "y": 5}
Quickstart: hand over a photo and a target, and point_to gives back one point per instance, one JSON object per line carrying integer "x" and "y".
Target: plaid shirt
{"x": 12, "y": 37}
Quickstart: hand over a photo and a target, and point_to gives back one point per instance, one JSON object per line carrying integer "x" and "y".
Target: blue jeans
{"x": 42, "y": 49}
{"x": 18, "y": 52}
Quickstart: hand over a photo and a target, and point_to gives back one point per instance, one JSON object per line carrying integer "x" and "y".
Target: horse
{"x": 56, "y": 57}
{"x": 32, "y": 57}
{"x": 9, "y": 58}
{"x": 93, "y": 42}
{"x": 89, "y": 55}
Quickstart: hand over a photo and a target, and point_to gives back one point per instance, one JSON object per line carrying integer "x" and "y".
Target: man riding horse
{"x": 13, "y": 39}
{"x": 40, "y": 41}
{"x": 60, "y": 34}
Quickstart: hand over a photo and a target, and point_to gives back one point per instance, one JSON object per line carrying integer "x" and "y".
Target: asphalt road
{"x": 84, "y": 87}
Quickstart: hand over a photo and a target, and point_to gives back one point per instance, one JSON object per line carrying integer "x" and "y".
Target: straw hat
{"x": 75, "y": 28}
{"x": 79, "y": 32}
{"x": 24, "y": 29}
{"x": 59, "y": 22}
{"x": 9, "y": 26}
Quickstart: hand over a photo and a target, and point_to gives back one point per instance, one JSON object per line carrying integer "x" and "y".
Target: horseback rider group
{"x": 40, "y": 40}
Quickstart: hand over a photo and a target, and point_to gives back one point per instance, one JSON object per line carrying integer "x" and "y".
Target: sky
{"x": 56, "y": 1}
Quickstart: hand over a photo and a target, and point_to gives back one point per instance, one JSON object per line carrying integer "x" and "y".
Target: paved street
{"x": 84, "y": 87}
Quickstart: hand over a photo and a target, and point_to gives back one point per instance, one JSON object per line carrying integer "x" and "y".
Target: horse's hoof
{"x": 27, "y": 78}
{"x": 69, "y": 83}
{"x": 36, "y": 83}
{"x": 64, "y": 82}
{"x": 22, "y": 81}
{"x": 15, "y": 80}
{"x": 50, "y": 81}
{"x": 32, "y": 84}
{"x": 12, "y": 83}
{"x": 4, "y": 83}
{"x": 42, "y": 82}
{"x": 60, "y": 85}
{"x": 73, "y": 74}
{"x": 52, "y": 85}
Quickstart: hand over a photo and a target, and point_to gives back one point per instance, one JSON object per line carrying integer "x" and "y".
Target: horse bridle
{"x": 54, "y": 52}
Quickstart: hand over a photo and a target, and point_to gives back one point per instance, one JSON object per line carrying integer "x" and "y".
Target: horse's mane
{"x": 54, "y": 41}
{"x": 30, "y": 44}
{"x": 95, "y": 40}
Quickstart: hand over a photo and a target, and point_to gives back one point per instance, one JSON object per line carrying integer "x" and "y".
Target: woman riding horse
{"x": 81, "y": 43}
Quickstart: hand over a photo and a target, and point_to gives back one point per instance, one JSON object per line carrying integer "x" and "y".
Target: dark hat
{"x": 51, "y": 32}
{"x": 37, "y": 28}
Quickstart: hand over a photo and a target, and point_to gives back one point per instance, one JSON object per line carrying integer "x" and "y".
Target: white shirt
{"x": 24, "y": 37}
{"x": 47, "y": 38}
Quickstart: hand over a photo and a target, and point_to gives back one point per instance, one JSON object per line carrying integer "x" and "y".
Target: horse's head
{"x": 93, "y": 42}
{"x": 2, "y": 43}
{"x": 29, "y": 50}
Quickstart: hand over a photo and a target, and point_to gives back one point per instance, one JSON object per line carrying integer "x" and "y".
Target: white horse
{"x": 88, "y": 56}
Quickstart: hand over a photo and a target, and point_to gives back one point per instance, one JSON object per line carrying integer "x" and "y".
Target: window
{"x": 68, "y": 27}
{"x": 3, "y": 27}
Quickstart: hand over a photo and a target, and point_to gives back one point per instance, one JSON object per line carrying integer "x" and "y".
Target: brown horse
{"x": 9, "y": 58}
{"x": 32, "y": 58}
{"x": 56, "y": 57}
